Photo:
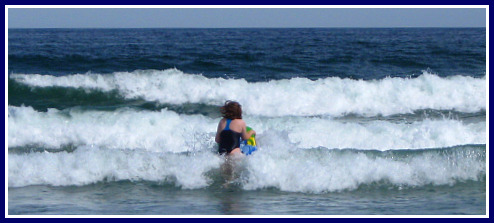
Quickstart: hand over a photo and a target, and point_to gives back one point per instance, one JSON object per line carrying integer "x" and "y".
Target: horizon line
{"x": 309, "y": 27}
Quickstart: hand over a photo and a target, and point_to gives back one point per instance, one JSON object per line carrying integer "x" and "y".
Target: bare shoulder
{"x": 240, "y": 121}
{"x": 237, "y": 125}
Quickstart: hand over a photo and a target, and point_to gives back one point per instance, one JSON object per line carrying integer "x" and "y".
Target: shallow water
{"x": 145, "y": 198}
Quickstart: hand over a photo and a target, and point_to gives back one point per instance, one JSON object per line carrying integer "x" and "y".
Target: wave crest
{"x": 296, "y": 97}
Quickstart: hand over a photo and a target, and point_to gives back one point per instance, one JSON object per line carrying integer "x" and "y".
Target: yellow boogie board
{"x": 248, "y": 146}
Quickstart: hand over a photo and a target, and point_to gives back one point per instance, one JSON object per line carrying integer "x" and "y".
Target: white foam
{"x": 297, "y": 96}
{"x": 323, "y": 171}
{"x": 88, "y": 165}
{"x": 167, "y": 131}
{"x": 305, "y": 171}
{"x": 122, "y": 129}
{"x": 375, "y": 135}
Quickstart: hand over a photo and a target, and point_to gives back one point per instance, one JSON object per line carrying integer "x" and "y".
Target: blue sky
{"x": 239, "y": 18}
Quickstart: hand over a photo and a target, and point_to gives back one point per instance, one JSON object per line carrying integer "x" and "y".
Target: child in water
{"x": 231, "y": 128}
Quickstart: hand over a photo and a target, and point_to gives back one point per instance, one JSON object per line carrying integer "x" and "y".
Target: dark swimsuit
{"x": 229, "y": 139}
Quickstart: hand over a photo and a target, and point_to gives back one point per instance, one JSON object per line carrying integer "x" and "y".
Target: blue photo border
{"x": 225, "y": 2}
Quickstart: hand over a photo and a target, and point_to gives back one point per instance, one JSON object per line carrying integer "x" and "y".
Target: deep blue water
{"x": 253, "y": 54}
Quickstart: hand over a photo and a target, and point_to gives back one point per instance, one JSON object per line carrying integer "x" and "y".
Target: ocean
{"x": 349, "y": 121}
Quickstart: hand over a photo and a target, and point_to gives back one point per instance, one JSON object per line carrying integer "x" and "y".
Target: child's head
{"x": 231, "y": 110}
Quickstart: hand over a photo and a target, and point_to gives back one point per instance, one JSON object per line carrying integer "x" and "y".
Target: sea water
{"x": 348, "y": 121}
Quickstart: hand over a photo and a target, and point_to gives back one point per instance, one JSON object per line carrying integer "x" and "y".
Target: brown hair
{"x": 231, "y": 110}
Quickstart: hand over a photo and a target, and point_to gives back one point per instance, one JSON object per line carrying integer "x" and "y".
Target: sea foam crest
{"x": 305, "y": 171}
{"x": 297, "y": 96}
{"x": 88, "y": 165}
{"x": 328, "y": 171}
{"x": 167, "y": 131}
